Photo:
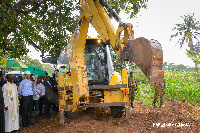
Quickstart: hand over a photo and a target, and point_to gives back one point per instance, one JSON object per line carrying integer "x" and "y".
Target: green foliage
{"x": 180, "y": 67}
{"x": 187, "y": 29}
{"x": 120, "y": 65}
{"x": 145, "y": 94}
{"x": 48, "y": 68}
{"x": 31, "y": 62}
{"x": 196, "y": 58}
{"x": 47, "y": 25}
{"x": 131, "y": 7}
{"x": 140, "y": 77}
{"x": 197, "y": 49}
{"x": 182, "y": 86}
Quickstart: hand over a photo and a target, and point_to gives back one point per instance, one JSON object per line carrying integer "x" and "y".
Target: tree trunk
{"x": 192, "y": 51}
{"x": 191, "y": 45}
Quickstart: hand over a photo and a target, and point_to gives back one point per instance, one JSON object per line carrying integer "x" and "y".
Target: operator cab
{"x": 98, "y": 62}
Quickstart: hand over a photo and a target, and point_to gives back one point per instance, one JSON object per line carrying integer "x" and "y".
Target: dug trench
{"x": 174, "y": 116}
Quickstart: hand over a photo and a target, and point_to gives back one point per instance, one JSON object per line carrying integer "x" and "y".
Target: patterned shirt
{"x": 38, "y": 90}
{"x": 25, "y": 88}
{"x": 131, "y": 82}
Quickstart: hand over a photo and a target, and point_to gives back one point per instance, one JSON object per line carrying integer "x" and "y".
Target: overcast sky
{"x": 156, "y": 22}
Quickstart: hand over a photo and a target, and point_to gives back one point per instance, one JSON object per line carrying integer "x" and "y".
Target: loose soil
{"x": 174, "y": 116}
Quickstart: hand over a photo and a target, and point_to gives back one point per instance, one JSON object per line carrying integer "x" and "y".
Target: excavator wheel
{"x": 72, "y": 115}
{"x": 117, "y": 111}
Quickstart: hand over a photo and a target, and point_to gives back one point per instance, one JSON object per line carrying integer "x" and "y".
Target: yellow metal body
{"x": 95, "y": 14}
{"x": 117, "y": 95}
{"x": 112, "y": 95}
{"x": 116, "y": 79}
{"x": 75, "y": 53}
{"x": 74, "y": 92}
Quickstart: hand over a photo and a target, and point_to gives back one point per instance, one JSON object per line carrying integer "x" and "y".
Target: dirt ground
{"x": 175, "y": 116}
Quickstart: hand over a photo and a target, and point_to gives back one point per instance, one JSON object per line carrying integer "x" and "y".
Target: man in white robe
{"x": 10, "y": 95}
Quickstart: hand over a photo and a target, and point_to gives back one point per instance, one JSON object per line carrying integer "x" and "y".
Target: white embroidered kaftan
{"x": 10, "y": 95}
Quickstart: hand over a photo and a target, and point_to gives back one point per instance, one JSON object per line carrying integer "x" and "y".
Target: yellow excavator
{"x": 90, "y": 80}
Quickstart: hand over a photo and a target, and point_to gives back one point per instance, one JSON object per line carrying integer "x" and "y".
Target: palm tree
{"x": 188, "y": 31}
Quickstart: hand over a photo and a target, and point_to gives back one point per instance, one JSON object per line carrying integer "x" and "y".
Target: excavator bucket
{"x": 148, "y": 56}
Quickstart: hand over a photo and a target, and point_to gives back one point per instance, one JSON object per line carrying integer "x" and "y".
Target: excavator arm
{"x": 147, "y": 55}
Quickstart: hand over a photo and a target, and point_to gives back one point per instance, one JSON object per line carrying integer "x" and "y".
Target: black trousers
{"x": 41, "y": 105}
{"x": 37, "y": 110}
{"x": 55, "y": 104}
{"x": 2, "y": 118}
{"x": 27, "y": 106}
{"x": 20, "y": 107}
{"x": 47, "y": 107}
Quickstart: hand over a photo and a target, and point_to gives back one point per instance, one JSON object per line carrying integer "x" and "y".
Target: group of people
{"x": 40, "y": 92}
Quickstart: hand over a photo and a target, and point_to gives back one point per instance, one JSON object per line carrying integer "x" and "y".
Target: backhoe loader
{"x": 90, "y": 80}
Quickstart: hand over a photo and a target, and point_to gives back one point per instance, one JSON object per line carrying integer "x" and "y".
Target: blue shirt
{"x": 25, "y": 88}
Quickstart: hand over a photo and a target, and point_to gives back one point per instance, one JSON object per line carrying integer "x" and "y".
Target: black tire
{"x": 72, "y": 115}
{"x": 117, "y": 111}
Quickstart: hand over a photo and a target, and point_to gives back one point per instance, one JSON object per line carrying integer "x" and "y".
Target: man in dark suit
{"x": 55, "y": 94}
{"x": 48, "y": 97}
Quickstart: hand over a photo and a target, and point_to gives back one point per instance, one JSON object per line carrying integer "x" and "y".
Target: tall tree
{"x": 47, "y": 25}
{"x": 187, "y": 32}
{"x": 44, "y": 24}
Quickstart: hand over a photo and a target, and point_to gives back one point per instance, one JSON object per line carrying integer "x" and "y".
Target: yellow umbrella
{"x": 11, "y": 63}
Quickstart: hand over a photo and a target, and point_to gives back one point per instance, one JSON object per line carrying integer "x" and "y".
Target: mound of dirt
{"x": 174, "y": 116}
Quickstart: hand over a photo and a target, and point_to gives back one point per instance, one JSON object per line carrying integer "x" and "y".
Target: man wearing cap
{"x": 25, "y": 91}
{"x": 132, "y": 84}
